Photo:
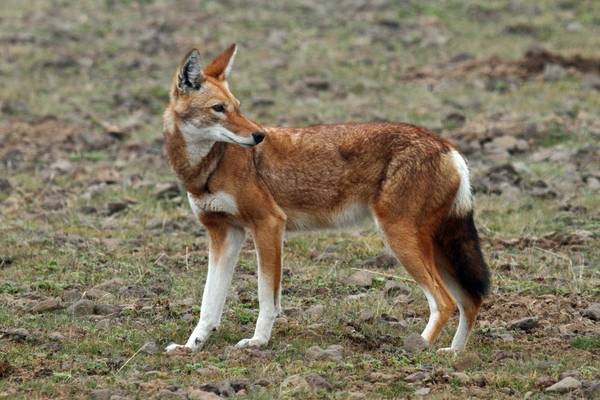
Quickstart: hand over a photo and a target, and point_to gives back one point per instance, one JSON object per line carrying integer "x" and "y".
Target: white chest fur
{"x": 213, "y": 202}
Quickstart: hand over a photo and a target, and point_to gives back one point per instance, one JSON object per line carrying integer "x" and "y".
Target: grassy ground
{"x": 81, "y": 208}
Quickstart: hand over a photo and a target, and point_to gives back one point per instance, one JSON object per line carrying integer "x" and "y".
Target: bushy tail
{"x": 459, "y": 241}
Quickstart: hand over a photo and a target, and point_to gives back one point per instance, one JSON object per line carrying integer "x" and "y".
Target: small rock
{"x": 565, "y": 385}
{"x": 116, "y": 206}
{"x": 592, "y": 312}
{"x": 572, "y": 373}
{"x": 50, "y": 304}
{"x": 553, "y": 72}
{"x": 56, "y": 336}
{"x": 97, "y": 294}
{"x": 591, "y": 81}
{"x": 316, "y": 381}
{"x": 334, "y": 353}
{"x": 366, "y": 316}
{"x": 383, "y": 261}
{"x": 461, "y": 377}
{"x": 150, "y": 347}
{"x": 71, "y": 295}
{"x": 419, "y": 376}
{"x": 394, "y": 288}
{"x": 317, "y": 83}
{"x": 414, "y": 343}
{"x": 197, "y": 394}
{"x": 422, "y": 391}
{"x": 362, "y": 279}
{"x": 136, "y": 291}
{"x": 263, "y": 382}
{"x": 106, "y": 309}
{"x": 454, "y": 120}
{"x": 101, "y": 394}
{"x": 592, "y": 391}
{"x": 315, "y": 311}
{"x": 17, "y": 334}
{"x": 103, "y": 324}
{"x": 355, "y": 297}
{"x": 525, "y": 324}
{"x": 295, "y": 383}
{"x": 465, "y": 360}
{"x": 222, "y": 388}
{"x": 61, "y": 166}
{"x": 5, "y": 186}
{"x": 167, "y": 190}
{"x": 82, "y": 307}
{"x": 545, "y": 381}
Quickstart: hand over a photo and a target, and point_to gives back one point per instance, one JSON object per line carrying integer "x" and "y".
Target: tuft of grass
{"x": 586, "y": 342}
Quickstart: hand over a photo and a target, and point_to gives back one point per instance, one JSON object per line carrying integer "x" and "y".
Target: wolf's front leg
{"x": 268, "y": 240}
{"x": 225, "y": 244}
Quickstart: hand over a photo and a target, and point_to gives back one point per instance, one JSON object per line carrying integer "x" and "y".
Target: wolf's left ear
{"x": 220, "y": 67}
{"x": 190, "y": 72}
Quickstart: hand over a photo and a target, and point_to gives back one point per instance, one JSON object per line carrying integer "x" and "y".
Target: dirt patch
{"x": 45, "y": 138}
{"x": 533, "y": 63}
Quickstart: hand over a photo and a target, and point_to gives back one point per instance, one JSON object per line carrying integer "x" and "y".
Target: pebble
{"x": 150, "y": 347}
{"x": 17, "y": 334}
{"x": 97, "y": 294}
{"x": 525, "y": 324}
{"x": 394, "y": 288}
{"x": 417, "y": 377}
{"x": 167, "y": 190}
{"x": 115, "y": 207}
{"x": 384, "y": 261}
{"x": 334, "y": 353}
{"x": 315, "y": 311}
{"x": 57, "y": 336}
{"x": 103, "y": 324}
{"x": 222, "y": 388}
{"x": 465, "y": 360}
{"x": 106, "y": 309}
{"x": 81, "y": 308}
{"x": 592, "y": 312}
{"x": 71, "y": 295}
{"x": 197, "y": 394}
{"x": 461, "y": 377}
{"x": 362, "y": 279}
{"x": 422, "y": 391}
{"x": 294, "y": 383}
{"x": 50, "y": 304}
{"x": 414, "y": 343}
{"x": 565, "y": 385}
{"x": 316, "y": 381}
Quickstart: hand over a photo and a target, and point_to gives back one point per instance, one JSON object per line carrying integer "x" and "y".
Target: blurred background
{"x": 100, "y": 256}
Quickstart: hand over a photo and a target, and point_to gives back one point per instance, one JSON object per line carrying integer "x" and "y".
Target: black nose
{"x": 258, "y": 137}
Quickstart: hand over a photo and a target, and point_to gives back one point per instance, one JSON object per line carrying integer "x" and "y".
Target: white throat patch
{"x": 199, "y": 141}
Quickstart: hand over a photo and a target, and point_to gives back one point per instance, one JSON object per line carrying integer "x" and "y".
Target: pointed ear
{"x": 190, "y": 72}
{"x": 220, "y": 68}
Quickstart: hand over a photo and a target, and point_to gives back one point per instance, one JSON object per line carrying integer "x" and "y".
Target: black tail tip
{"x": 459, "y": 241}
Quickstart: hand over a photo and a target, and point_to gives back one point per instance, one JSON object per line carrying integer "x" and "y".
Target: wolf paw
{"x": 175, "y": 347}
{"x": 447, "y": 350}
{"x": 252, "y": 342}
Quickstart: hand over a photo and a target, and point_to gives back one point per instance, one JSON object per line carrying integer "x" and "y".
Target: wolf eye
{"x": 218, "y": 108}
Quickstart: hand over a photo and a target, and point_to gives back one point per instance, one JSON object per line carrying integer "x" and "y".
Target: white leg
{"x": 434, "y": 315}
{"x": 269, "y": 285}
{"x": 222, "y": 258}
{"x": 462, "y": 332}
